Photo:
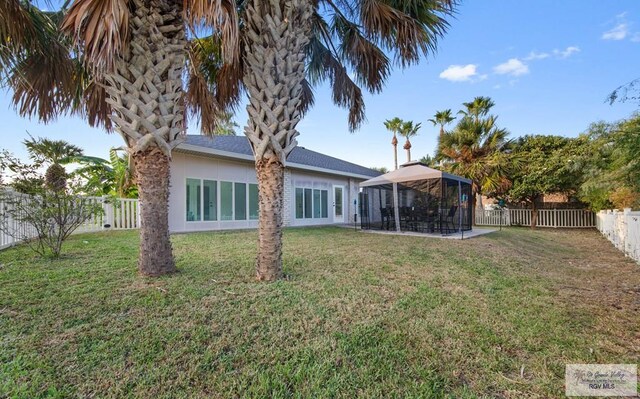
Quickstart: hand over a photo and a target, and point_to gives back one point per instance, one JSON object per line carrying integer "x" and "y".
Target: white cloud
{"x": 459, "y": 73}
{"x": 619, "y": 32}
{"x": 536, "y": 56}
{"x": 513, "y": 67}
{"x": 566, "y": 52}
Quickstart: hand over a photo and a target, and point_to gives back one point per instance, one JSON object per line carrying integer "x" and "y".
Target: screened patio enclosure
{"x": 416, "y": 198}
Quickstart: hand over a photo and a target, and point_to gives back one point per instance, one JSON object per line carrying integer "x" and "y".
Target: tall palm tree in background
{"x": 132, "y": 56}
{"x": 55, "y": 153}
{"x": 408, "y": 130}
{"x": 478, "y": 108}
{"x": 442, "y": 118}
{"x": 393, "y": 125}
{"x": 286, "y": 48}
{"x": 478, "y": 150}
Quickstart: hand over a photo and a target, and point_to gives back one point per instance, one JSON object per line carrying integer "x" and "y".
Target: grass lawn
{"x": 360, "y": 315}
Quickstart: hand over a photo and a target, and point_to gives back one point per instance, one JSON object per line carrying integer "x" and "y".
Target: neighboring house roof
{"x": 238, "y": 147}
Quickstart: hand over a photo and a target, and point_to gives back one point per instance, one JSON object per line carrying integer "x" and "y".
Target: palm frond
{"x": 322, "y": 65}
{"x": 213, "y": 87}
{"x": 408, "y": 29}
{"x": 369, "y": 63}
{"x": 101, "y": 29}
{"x": 222, "y": 16}
{"x": 43, "y": 84}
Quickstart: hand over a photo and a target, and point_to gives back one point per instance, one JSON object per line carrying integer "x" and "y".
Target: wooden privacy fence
{"x": 556, "y": 218}
{"x": 622, "y": 229}
{"x": 117, "y": 214}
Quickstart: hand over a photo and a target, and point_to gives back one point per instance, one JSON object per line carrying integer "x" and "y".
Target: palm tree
{"x": 394, "y": 125}
{"x": 477, "y": 151}
{"x": 54, "y": 153}
{"x": 478, "y": 108}
{"x": 442, "y": 118}
{"x": 288, "y": 47}
{"x": 135, "y": 54}
{"x": 408, "y": 130}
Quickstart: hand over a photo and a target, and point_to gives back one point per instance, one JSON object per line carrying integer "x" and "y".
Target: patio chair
{"x": 387, "y": 217}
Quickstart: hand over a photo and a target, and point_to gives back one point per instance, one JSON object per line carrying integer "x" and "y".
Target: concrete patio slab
{"x": 476, "y": 232}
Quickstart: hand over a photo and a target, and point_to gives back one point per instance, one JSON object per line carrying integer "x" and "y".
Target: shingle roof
{"x": 299, "y": 155}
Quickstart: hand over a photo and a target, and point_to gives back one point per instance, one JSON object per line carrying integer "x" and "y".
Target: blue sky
{"x": 547, "y": 64}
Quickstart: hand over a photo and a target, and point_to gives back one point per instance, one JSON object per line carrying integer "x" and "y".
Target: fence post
{"x": 107, "y": 206}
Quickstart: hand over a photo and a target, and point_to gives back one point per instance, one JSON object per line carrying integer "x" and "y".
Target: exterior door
{"x": 338, "y": 204}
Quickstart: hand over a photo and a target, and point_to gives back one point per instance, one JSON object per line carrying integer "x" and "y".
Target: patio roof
{"x": 411, "y": 171}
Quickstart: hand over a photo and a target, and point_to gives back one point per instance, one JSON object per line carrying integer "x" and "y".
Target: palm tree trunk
{"x": 395, "y": 156}
{"x": 152, "y": 169}
{"x": 277, "y": 36}
{"x": 394, "y": 143}
{"x": 270, "y": 183}
{"x": 145, "y": 94}
{"x": 407, "y": 146}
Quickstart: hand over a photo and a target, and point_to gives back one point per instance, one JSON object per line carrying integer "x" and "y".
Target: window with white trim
{"x": 311, "y": 203}
{"x": 238, "y": 201}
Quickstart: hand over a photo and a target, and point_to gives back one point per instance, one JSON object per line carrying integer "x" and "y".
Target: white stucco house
{"x": 214, "y": 186}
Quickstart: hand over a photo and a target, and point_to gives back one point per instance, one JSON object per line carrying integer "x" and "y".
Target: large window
{"x": 226, "y": 200}
{"x": 311, "y": 203}
{"x": 253, "y": 201}
{"x": 240, "y": 201}
{"x": 235, "y": 200}
{"x": 193, "y": 200}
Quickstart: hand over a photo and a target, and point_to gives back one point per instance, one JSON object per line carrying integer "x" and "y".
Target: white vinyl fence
{"x": 556, "y": 218}
{"x": 622, "y": 229}
{"x": 118, "y": 214}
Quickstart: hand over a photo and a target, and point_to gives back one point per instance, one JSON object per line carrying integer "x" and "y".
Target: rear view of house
{"x": 214, "y": 186}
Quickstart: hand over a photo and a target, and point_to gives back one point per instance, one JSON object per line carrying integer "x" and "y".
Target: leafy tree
{"x": 394, "y": 125}
{"x": 429, "y": 161}
{"x": 408, "y": 130}
{"x": 549, "y": 168}
{"x": 442, "y": 118}
{"x": 381, "y": 169}
{"x": 37, "y": 213}
{"x": 609, "y": 161}
{"x": 478, "y": 149}
{"x": 112, "y": 177}
{"x": 225, "y": 125}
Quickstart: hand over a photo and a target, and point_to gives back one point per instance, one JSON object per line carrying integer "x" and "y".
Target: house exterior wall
{"x": 189, "y": 166}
